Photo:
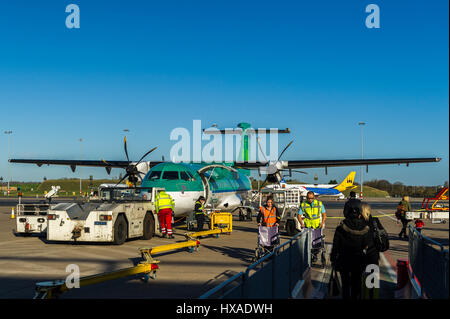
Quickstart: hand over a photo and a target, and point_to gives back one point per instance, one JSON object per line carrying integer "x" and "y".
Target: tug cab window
{"x": 154, "y": 175}
{"x": 170, "y": 175}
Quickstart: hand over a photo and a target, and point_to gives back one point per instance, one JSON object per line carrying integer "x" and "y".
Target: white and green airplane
{"x": 225, "y": 185}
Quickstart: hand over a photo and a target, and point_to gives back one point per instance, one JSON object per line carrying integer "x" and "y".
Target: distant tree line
{"x": 398, "y": 189}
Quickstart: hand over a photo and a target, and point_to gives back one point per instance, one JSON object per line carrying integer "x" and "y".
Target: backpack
{"x": 400, "y": 211}
{"x": 380, "y": 237}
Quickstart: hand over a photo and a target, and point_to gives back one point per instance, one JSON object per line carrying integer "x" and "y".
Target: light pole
{"x": 81, "y": 140}
{"x": 361, "y": 177}
{"x": 9, "y": 177}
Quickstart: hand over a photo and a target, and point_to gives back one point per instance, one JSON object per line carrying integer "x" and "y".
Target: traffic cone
{"x": 12, "y": 213}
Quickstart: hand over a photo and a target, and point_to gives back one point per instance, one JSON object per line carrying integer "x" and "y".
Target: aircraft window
{"x": 184, "y": 176}
{"x": 170, "y": 175}
{"x": 154, "y": 175}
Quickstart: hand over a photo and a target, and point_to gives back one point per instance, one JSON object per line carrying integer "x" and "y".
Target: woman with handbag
{"x": 378, "y": 242}
{"x": 374, "y": 248}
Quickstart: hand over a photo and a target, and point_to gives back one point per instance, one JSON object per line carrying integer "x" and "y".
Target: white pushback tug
{"x": 121, "y": 214}
{"x": 32, "y": 217}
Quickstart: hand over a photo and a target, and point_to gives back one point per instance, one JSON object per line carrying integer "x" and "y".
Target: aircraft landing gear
{"x": 245, "y": 214}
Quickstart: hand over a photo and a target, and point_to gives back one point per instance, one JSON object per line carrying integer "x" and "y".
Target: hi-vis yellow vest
{"x": 163, "y": 200}
{"x": 200, "y": 209}
{"x": 312, "y": 213}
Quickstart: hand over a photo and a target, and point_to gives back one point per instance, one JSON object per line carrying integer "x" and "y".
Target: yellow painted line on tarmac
{"x": 378, "y": 216}
{"x": 385, "y": 215}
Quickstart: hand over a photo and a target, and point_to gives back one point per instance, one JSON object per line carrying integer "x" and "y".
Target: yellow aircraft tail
{"x": 347, "y": 183}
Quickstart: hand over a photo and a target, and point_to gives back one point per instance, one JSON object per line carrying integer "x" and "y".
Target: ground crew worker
{"x": 165, "y": 206}
{"x": 199, "y": 212}
{"x": 269, "y": 215}
{"x": 312, "y": 210}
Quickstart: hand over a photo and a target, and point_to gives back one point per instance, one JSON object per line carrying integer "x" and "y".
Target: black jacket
{"x": 350, "y": 241}
{"x": 352, "y": 208}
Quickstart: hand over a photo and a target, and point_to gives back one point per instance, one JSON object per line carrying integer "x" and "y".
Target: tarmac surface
{"x": 24, "y": 261}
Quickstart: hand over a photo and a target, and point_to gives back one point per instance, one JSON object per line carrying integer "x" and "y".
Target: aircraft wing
{"x": 74, "y": 163}
{"x": 359, "y": 162}
{"x": 295, "y": 164}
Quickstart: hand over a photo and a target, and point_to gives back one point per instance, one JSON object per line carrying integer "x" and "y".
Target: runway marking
{"x": 388, "y": 215}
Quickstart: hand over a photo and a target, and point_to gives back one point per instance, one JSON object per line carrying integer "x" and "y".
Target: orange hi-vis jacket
{"x": 269, "y": 216}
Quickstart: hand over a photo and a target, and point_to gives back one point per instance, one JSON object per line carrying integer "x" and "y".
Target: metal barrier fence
{"x": 429, "y": 264}
{"x": 275, "y": 275}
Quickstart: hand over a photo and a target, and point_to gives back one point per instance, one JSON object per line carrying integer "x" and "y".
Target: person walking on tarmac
{"x": 372, "y": 256}
{"x": 314, "y": 214}
{"x": 199, "y": 212}
{"x": 352, "y": 205}
{"x": 165, "y": 207}
{"x": 313, "y": 211}
{"x": 350, "y": 242}
{"x": 403, "y": 207}
{"x": 268, "y": 215}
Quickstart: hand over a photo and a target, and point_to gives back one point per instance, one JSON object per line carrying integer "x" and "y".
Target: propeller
{"x": 132, "y": 171}
{"x": 274, "y": 169}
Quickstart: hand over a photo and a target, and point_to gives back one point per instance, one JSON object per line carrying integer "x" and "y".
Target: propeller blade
{"x": 105, "y": 162}
{"x": 262, "y": 185}
{"x": 126, "y": 175}
{"x": 260, "y": 149}
{"x": 125, "y": 147}
{"x": 259, "y": 190}
{"x": 139, "y": 175}
{"x": 286, "y": 170}
{"x": 145, "y": 155}
{"x": 285, "y": 150}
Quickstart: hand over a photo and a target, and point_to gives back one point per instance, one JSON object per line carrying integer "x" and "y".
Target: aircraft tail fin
{"x": 347, "y": 183}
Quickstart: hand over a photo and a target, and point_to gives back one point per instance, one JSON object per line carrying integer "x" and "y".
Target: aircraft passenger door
{"x": 202, "y": 172}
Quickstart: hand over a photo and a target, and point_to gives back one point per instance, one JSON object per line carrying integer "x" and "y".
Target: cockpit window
{"x": 184, "y": 176}
{"x": 170, "y": 175}
{"x": 154, "y": 175}
{"x": 191, "y": 176}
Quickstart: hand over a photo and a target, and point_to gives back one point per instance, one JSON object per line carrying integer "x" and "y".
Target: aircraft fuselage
{"x": 224, "y": 189}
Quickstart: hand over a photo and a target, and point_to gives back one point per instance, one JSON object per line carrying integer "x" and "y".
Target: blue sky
{"x": 152, "y": 66}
